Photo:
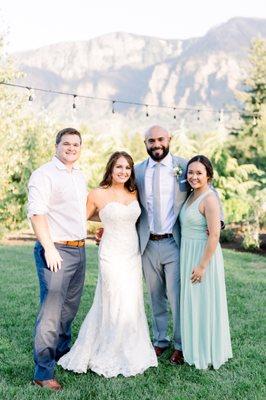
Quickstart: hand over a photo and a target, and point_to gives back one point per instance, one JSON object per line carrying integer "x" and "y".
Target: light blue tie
{"x": 157, "y": 222}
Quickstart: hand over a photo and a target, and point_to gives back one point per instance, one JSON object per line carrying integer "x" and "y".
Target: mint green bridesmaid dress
{"x": 204, "y": 318}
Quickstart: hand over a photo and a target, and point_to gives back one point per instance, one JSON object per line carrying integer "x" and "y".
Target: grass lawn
{"x": 241, "y": 378}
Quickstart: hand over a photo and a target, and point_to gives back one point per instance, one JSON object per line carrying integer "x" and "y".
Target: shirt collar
{"x": 60, "y": 165}
{"x": 167, "y": 161}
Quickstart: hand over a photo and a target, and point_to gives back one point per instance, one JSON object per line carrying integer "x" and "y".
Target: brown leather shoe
{"x": 49, "y": 384}
{"x": 177, "y": 358}
{"x": 159, "y": 350}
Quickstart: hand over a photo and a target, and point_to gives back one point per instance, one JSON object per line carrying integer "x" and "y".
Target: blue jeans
{"x": 60, "y": 294}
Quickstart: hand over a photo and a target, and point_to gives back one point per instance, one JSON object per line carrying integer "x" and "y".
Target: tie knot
{"x": 157, "y": 165}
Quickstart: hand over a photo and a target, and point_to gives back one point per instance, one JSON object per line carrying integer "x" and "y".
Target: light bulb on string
{"x": 30, "y": 94}
{"x": 147, "y": 110}
{"x": 198, "y": 115}
{"x": 174, "y": 112}
{"x": 221, "y": 115}
{"x": 74, "y": 106}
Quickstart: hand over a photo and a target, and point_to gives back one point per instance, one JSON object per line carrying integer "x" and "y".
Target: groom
{"x": 162, "y": 190}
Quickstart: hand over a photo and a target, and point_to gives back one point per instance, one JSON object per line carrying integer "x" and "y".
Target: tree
{"x": 25, "y": 143}
{"x": 249, "y": 141}
{"x": 249, "y": 144}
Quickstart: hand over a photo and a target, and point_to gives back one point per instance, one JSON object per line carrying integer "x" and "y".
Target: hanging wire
{"x": 74, "y": 95}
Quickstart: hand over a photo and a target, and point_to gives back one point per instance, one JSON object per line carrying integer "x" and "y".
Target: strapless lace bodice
{"x": 119, "y": 223}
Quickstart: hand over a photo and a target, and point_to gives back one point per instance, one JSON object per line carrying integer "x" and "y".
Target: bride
{"x": 114, "y": 337}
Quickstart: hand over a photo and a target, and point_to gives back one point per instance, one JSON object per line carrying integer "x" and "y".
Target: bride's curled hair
{"x": 107, "y": 178}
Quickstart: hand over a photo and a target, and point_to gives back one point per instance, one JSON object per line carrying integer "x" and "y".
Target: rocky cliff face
{"x": 205, "y": 71}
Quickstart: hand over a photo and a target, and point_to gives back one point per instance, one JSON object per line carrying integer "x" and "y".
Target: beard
{"x": 156, "y": 155}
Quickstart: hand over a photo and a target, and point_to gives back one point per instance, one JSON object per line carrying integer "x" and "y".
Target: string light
{"x": 198, "y": 115}
{"x": 30, "y": 93}
{"x": 147, "y": 111}
{"x": 74, "y": 95}
{"x": 74, "y": 106}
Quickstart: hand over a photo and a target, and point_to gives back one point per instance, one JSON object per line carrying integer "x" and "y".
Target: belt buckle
{"x": 154, "y": 236}
{"x": 72, "y": 243}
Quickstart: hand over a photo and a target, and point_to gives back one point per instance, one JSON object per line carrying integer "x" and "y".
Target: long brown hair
{"x": 107, "y": 178}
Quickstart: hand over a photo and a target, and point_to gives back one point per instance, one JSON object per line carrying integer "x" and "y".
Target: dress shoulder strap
{"x": 201, "y": 197}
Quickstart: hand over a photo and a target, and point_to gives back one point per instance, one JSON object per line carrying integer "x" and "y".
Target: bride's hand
{"x": 98, "y": 235}
{"x": 197, "y": 274}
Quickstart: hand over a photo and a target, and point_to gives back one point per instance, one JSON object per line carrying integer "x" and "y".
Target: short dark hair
{"x": 67, "y": 131}
{"x": 107, "y": 178}
{"x": 205, "y": 161}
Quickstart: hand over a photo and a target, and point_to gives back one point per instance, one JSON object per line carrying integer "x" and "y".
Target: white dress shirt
{"x": 61, "y": 195}
{"x": 166, "y": 193}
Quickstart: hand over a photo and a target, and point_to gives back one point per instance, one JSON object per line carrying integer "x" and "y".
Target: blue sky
{"x": 31, "y": 24}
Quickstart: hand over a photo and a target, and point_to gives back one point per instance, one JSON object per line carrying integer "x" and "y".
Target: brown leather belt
{"x": 73, "y": 243}
{"x": 160, "y": 237}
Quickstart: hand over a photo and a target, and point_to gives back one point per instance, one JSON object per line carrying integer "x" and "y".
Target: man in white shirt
{"x": 57, "y": 209}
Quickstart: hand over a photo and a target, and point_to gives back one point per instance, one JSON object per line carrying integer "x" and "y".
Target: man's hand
{"x": 53, "y": 259}
{"x": 98, "y": 235}
{"x": 41, "y": 230}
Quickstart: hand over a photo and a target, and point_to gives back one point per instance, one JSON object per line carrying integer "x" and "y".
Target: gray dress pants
{"x": 162, "y": 274}
{"x": 60, "y": 294}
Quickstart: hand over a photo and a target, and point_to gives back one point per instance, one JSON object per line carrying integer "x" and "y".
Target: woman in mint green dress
{"x": 204, "y": 317}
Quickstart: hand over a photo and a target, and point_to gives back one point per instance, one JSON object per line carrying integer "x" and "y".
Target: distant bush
{"x": 251, "y": 237}
{"x": 227, "y": 235}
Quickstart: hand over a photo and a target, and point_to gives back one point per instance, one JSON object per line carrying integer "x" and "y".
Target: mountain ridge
{"x": 207, "y": 70}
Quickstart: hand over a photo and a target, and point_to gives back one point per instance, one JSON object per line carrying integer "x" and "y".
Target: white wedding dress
{"x": 114, "y": 337}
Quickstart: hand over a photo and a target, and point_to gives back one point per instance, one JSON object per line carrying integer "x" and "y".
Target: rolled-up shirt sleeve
{"x": 39, "y": 194}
